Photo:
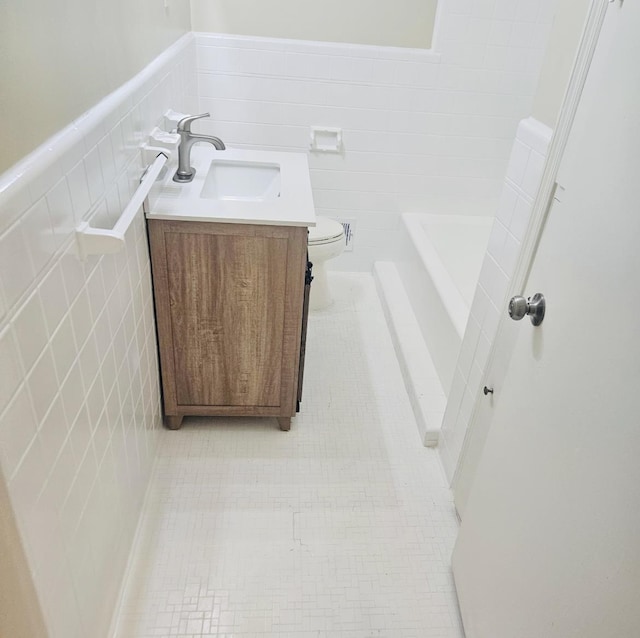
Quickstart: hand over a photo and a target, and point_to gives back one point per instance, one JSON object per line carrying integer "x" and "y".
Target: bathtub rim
{"x": 456, "y": 306}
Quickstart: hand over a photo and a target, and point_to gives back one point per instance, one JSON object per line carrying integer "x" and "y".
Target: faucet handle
{"x": 184, "y": 125}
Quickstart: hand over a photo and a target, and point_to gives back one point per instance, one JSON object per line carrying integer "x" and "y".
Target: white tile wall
{"x": 424, "y": 131}
{"x": 524, "y": 173}
{"x": 79, "y": 396}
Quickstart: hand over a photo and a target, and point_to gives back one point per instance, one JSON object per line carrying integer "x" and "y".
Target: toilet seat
{"x": 325, "y": 231}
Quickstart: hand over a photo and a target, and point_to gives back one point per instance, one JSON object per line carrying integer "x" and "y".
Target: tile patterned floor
{"x": 342, "y": 527}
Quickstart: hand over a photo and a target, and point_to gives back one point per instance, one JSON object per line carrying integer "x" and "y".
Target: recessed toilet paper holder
{"x": 326, "y": 139}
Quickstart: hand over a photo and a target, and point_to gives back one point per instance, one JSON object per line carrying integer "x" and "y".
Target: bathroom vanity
{"x": 231, "y": 282}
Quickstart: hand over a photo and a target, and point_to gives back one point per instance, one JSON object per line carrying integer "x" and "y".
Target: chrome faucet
{"x": 186, "y": 172}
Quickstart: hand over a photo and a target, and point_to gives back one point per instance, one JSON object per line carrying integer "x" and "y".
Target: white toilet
{"x": 326, "y": 241}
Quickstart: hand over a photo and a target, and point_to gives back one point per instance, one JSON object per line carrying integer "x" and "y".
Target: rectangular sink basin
{"x": 237, "y": 186}
{"x": 241, "y": 181}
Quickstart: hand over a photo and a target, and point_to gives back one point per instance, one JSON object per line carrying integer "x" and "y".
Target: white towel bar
{"x": 99, "y": 241}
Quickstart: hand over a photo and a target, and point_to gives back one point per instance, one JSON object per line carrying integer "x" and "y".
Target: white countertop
{"x": 182, "y": 202}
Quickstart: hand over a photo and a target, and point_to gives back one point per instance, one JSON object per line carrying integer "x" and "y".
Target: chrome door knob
{"x": 518, "y": 307}
{"x": 534, "y": 306}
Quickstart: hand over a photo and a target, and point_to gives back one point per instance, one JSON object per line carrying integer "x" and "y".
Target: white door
{"x": 550, "y": 543}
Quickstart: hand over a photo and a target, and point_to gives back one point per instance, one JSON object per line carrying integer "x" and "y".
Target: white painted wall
{"x": 399, "y": 23}
{"x": 60, "y": 58}
{"x": 559, "y": 58}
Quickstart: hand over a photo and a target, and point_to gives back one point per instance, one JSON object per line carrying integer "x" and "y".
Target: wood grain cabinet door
{"x": 223, "y": 291}
{"x": 227, "y": 310}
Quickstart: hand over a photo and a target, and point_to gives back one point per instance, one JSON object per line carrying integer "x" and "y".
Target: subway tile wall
{"x": 424, "y": 131}
{"x": 79, "y": 395}
{"x": 523, "y": 177}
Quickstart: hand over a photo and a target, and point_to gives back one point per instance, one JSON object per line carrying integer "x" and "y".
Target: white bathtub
{"x": 439, "y": 266}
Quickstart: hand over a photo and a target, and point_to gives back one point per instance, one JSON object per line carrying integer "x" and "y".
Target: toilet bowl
{"x": 326, "y": 241}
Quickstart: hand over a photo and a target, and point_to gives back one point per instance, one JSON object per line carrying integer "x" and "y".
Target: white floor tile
{"x": 342, "y": 527}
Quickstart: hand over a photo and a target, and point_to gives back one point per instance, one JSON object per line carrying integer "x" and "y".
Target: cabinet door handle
{"x": 308, "y": 277}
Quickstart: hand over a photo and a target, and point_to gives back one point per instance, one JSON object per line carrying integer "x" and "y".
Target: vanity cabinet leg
{"x": 173, "y": 422}
{"x": 285, "y": 423}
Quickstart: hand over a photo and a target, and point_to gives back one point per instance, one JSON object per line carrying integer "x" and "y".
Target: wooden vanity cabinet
{"x": 229, "y": 306}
